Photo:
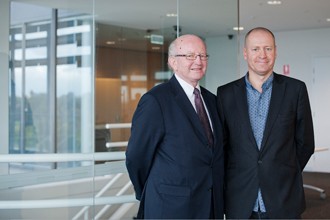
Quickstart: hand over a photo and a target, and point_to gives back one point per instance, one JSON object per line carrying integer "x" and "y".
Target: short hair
{"x": 258, "y": 29}
{"x": 171, "y": 52}
{"x": 172, "y": 48}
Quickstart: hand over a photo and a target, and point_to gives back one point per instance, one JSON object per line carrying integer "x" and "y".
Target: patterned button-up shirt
{"x": 258, "y": 110}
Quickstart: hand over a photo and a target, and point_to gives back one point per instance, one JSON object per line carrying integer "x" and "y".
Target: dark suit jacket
{"x": 287, "y": 145}
{"x": 173, "y": 171}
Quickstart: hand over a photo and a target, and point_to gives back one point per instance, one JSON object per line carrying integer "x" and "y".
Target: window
{"x": 51, "y": 78}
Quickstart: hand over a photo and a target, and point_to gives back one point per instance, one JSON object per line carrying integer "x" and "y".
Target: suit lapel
{"x": 278, "y": 93}
{"x": 184, "y": 103}
{"x": 241, "y": 103}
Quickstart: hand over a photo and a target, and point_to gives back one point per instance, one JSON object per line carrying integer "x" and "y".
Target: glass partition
{"x": 51, "y": 75}
{"x": 51, "y": 80}
{"x": 131, "y": 53}
{"x": 29, "y": 110}
{"x": 131, "y": 58}
{"x": 77, "y": 71}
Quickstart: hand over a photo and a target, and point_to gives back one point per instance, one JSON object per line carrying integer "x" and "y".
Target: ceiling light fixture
{"x": 171, "y": 15}
{"x": 238, "y": 28}
{"x": 328, "y": 19}
{"x": 274, "y": 2}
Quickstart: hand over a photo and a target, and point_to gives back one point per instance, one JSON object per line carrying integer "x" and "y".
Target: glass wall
{"x": 50, "y": 80}
{"x": 131, "y": 58}
{"x": 77, "y": 70}
{"x": 131, "y": 51}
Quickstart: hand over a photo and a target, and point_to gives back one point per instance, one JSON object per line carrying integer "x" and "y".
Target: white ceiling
{"x": 290, "y": 15}
{"x": 206, "y": 18}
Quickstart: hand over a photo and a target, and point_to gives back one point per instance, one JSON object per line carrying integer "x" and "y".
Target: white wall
{"x": 223, "y": 61}
{"x": 296, "y": 49}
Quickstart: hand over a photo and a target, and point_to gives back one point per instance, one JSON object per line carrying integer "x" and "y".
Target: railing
{"x": 68, "y": 174}
{"x": 12, "y": 158}
{"x": 113, "y": 170}
{"x": 115, "y": 126}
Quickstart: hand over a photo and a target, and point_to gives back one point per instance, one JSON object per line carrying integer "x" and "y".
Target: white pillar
{"x": 4, "y": 79}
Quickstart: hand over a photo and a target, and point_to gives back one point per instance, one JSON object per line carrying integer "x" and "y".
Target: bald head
{"x": 179, "y": 43}
{"x": 258, "y": 29}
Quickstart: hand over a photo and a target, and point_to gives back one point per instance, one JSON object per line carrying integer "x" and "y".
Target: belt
{"x": 259, "y": 215}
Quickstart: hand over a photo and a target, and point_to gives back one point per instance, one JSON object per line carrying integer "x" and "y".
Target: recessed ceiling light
{"x": 171, "y": 15}
{"x": 274, "y": 2}
{"x": 328, "y": 19}
{"x": 238, "y": 28}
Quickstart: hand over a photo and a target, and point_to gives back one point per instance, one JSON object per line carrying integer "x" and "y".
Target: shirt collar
{"x": 266, "y": 85}
{"x": 188, "y": 89}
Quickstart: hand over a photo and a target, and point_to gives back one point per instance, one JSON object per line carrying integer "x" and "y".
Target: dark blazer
{"x": 172, "y": 168}
{"x": 287, "y": 145}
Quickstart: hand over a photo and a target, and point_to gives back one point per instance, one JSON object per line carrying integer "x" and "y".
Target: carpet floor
{"x": 317, "y": 207}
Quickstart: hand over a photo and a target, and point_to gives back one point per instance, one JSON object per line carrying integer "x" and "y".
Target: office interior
{"x": 72, "y": 73}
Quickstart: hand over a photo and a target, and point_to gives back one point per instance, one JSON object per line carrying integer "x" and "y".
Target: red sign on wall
{"x": 286, "y": 69}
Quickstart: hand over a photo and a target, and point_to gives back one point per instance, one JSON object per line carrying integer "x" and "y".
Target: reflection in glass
{"x": 29, "y": 109}
{"x": 129, "y": 62}
{"x": 36, "y": 90}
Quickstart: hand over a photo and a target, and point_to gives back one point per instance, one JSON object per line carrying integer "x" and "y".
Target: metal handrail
{"x": 59, "y": 203}
{"x": 116, "y": 144}
{"x": 113, "y": 125}
{"x": 59, "y": 157}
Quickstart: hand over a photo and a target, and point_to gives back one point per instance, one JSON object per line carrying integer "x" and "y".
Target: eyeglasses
{"x": 193, "y": 56}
